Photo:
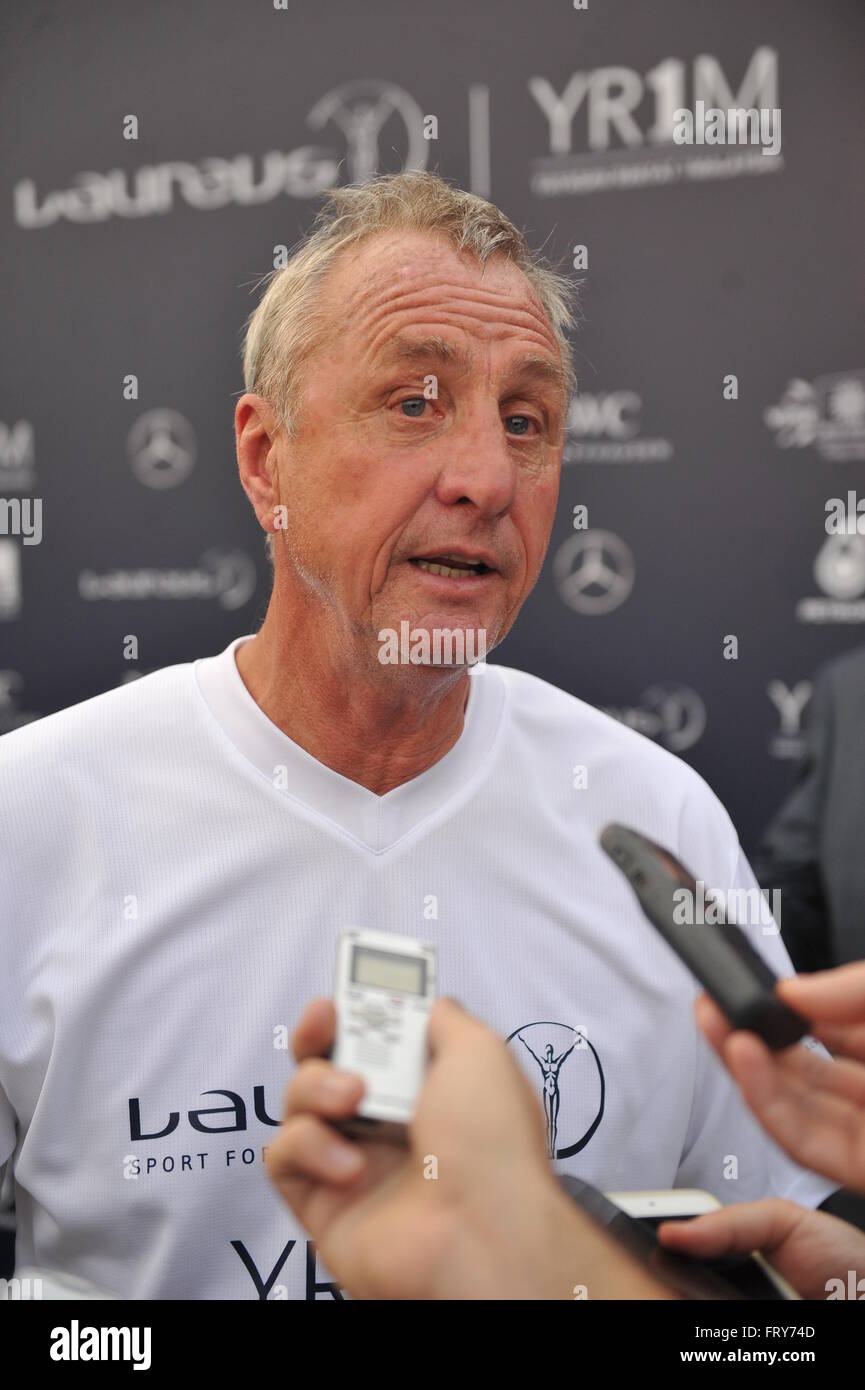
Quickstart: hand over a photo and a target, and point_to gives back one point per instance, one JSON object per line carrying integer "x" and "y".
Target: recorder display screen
{"x": 388, "y": 970}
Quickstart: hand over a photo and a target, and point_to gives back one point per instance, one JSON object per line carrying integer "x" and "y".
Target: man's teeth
{"x": 449, "y": 572}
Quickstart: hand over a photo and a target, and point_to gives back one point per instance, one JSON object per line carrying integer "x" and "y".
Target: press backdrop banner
{"x": 157, "y": 157}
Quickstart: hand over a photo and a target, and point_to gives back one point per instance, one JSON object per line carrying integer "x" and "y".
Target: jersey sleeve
{"x": 727, "y": 1151}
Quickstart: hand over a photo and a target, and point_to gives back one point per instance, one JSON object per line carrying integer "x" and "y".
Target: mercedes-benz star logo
{"x": 161, "y": 448}
{"x": 594, "y": 572}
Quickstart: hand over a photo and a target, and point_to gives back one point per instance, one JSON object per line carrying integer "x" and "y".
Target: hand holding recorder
{"x": 492, "y": 1223}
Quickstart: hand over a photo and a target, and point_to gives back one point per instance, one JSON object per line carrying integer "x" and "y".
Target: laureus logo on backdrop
{"x": 605, "y": 428}
{"x": 615, "y": 128}
{"x": 362, "y": 110}
{"x": 594, "y": 572}
{"x": 370, "y": 116}
{"x": 17, "y": 466}
{"x": 839, "y": 569}
{"x": 670, "y": 714}
{"x": 828, "y": 413}
{"x": 162, "y": 448}
{"x": 10, "y": 580}
{"x": 230, "y": 578}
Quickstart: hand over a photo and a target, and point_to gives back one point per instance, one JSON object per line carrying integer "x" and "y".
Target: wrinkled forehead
{"x": 395, "y": 280}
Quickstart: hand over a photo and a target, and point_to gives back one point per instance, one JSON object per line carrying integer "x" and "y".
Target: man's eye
{"x": 413, "y": 406}
{"x": 518, "y": 424}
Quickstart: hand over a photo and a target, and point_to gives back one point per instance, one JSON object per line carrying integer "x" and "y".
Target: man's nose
{"x": 478, "y": 465}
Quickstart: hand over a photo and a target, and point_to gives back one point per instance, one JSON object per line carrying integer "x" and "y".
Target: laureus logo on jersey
{"x": 154, "y": 1121}
{"x": 828, "y": 413}
{"x": 567, "y": 1070}
{"x": 367, "y": 124}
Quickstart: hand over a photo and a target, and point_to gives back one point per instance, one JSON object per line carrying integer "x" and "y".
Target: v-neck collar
{"x": 377, "y": 822}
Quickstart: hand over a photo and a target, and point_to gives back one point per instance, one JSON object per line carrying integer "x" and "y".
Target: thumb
{"x": 450, "y": 1026}
{"x": 733, "y": 1230}
{"x": 832, "y": 995}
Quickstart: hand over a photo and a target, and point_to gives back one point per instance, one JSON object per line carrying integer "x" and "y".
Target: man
{"x": 813, "y": 849}
{"x": 180, "y": 855}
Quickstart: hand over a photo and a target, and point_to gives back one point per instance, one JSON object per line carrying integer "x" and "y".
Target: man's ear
{"x": 258, "y": 430}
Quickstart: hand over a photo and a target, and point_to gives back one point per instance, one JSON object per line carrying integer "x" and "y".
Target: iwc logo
{"x": 565, "y": 1066}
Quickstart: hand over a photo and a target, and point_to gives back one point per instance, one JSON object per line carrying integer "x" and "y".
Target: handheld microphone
{"x": 720, "y": 955}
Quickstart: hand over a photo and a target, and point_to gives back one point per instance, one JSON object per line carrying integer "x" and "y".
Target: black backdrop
{"x": 137, "y": 257}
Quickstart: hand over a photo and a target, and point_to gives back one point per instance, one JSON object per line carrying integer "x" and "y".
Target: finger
{"x": 733, "y": 1230}
{"x": 821, "y": 1130}
{"x": 318, "y": 1088}
{"x": 837, "y": 1076}
{"x": 836, "y": 996}
{"x": 823, "y": 1073}
{"x": 847, "y": 1039}
{"x": 307, "y": 1150}
{"x": 450, "y": 1026}
{"x": 314, "y": 1034}
{"x": 759, "y": 1072}
{"x": 453, "y": 1031}
{"x": 714, "y": 1026}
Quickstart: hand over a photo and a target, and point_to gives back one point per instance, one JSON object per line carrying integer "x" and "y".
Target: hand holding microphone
{"x": 812, "y": 1106}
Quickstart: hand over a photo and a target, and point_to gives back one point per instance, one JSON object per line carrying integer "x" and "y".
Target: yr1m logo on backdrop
{"x": 614, "y": 128}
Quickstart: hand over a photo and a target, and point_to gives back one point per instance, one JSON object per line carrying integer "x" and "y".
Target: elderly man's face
{"x": 382, "y": 482}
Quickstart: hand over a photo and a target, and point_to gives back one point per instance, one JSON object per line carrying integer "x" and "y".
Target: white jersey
{"x": 176, "y": 873}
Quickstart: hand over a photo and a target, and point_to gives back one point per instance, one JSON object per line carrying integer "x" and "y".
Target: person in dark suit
{"x": 814, "y": 848}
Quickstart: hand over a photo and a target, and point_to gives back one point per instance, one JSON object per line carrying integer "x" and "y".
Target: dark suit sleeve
{"x": 788, "y": 857}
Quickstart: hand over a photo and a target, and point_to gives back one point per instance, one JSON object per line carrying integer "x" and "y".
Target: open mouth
{"x": 450, "y": 567}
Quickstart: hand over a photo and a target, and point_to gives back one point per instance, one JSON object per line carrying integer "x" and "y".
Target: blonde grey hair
{"x": 288, "y": 324}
